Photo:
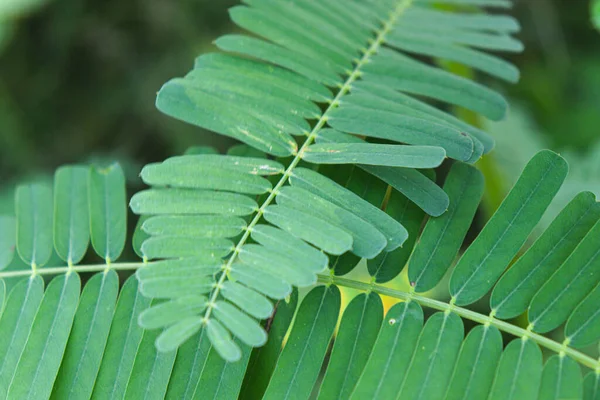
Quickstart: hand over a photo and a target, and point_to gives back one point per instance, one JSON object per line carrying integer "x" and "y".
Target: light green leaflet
{"x": 519, "y": 372}
{"x": 432, "y": 364}
{"x": 312, "y": 181}
{"x": 591, "y": 386}
{"x": 382, "y": 376}
{"x": 300, "y": 361}
{"x": 221, "y": 380}
{"x": 108, "y": 211}
{"x": 402, "y": 73}
{"x": 264, "y": 282}
{"x": 583, "y": 326}
{"x": 170, "y": 287}
{"x": 482, "y": 3}
{"x": 442, "y": 237}
{"x": 481, "y": 61}
{"x": 574, "y": 280}
{"x": 280, "y": 241}
{"x": 367, "y": 241}
{"x": 87, "y": 339}
{"x": 170, "y": 312}
{"x": 204, "y": 226}
{"x": 199, "y": 266}
{"x": 246, "y": 164}
{"x": 185, "y": 246}
{"x": 190, "y": 361}
{"x": 203, "y": 177}
{"x": 175, "y": 335}
{"x": 401, "y": 128}
{"x": 151, "y": 370}
{"x": 266, "y": 51}
{"x": 181, "y": 201}
{"x": 357, "y": 333}
{"x": 71, "y": 213}
{"x": 222, "y": 341}
{"x": 263, "y": 359}
{"x": 251, "y": 302}
{"x": 8, "y": 237}
{"x": 240, "y": 324}
{"x": 34, "y": 223}
{"x": 476, "y": 21}
{"x": 39, "y": 363}
{"x": 476, "y": 365}
{"x": 375, "y": 154}
{"x": 504, "y": 234}
{"x": 123, "y": 342}
{"x": 513, "y": 293}
{"x": 561, "y": 379}
{"x": 314, "y": 230}
{"x": 20, "y": 310}
{"x": 178, "y": 99}
{"x": 296, "y": 272}
{"x": 414, "y": 185}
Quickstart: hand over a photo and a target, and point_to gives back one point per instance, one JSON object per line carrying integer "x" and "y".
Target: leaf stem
{"x": 465, "y": 313}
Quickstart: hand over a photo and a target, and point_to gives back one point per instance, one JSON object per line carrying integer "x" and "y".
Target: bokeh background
{"x": 78, "y": 80}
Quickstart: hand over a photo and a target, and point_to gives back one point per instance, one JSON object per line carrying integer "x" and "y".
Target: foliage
{"x": 334, "y": 101}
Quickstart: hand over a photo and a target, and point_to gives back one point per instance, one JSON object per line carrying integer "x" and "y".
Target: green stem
{"x": 514, "y": 330}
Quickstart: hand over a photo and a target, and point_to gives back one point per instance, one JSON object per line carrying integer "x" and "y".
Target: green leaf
{"x": 261, "y": 281}
{"x": 561, "y": 379}
{"x": 203, "y": 176}
{"x": 188, "y": 367}
{"x": 388, "y": 125}
{"x": 443, "y": 49}
{"x": 243, "y": 164}
{"x": 170, "y": 312}
{"x": 324, "y": 187}
{"x": 8, "y": 236}
{"x": 300, "y": 362}
{"x": 357, "y": 334}
{"x": 583, "y": 326}
{"x": 222, "y": 342}
{"x": 175, "y": 286}
{"x": 316, "y": 231}
{"x": 108, "y": 211}
{"x": 402, "y": 73}
{"x": 151, "y": 370}
{"x": 193, "y": 266}
{"x": 285, "y": 243}
{"x": 139, "y": 236}
{"x": 175, "y": 335}
{"x": 291, "y": 270}
{"x": 18, "y": 316}
{"x": 240, "y": 324}
{"x": 266, "y": 51}
{"x": 123, "y": 342}
{"x": 375, "y": 154}
{"x": 203, "y": 226}
{"x": 414, "y": 185}
{"x": 519, "y": 372}
{"x": 502, "y": 237}
{"x": 185, "y": 246}
{"x": 476, "y": 365}
{"x": 248, "y": 300}
{"x": 596, "y": 13}
{"x": 513, "y": 293}
{"x": 40, "y": 361}
{"x": 391, "y": 353}
{"x": 417, "y": 16}
{"x": 388, "y": 265}
{"x": 71, "y": 213}
{"x": 220, "y": 379}
{"x": 367, "y": 240}
{"x": 591, "y": 386}
{"x": 263, "y": 359}
{"x": 433, "y": 361}
{"x": 442, "y": 237}
{"x": 181, "y": 201}
{"x": 573, "y": 281}
{"x": 88, "y": 337}
{"x": 34, "y": 223}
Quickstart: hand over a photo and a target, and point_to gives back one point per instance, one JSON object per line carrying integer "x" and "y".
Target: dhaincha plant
{"x": 344, "y": 111}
